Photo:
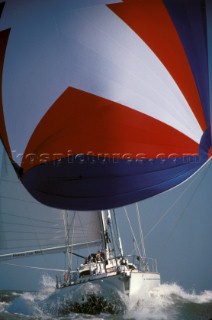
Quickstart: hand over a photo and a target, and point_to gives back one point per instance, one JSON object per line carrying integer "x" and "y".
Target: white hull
{"x": 143, "y": 282}
{"x": 113, "y": 280}
{"x": 135, "y": 285}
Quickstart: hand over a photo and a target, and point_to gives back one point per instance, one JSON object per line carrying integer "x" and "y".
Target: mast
{"x": 118, "y": 234}
{"x": 68, "y": 254}
{"x": 109, "y": 222}
{"x": 105, "y": 235}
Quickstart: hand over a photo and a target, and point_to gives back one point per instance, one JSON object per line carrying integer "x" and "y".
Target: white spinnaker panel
{"x": 89, "y": 48}
{"x": 26, "y": 224}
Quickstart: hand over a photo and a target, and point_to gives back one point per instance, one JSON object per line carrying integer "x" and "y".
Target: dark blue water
{"x": 168, "y": 302}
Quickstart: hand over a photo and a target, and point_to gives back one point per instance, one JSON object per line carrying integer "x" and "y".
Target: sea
{"x": 167, "y": 302}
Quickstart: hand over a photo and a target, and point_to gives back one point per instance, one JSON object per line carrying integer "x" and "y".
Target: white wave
{"x": 164, "y": 302}
{"x": 28, "y": 303}
{"x": 174, "y": 291}
{"x": 88, "y": 295}
{"x": 47, "y": 285}
{"x": 3, "y": 306}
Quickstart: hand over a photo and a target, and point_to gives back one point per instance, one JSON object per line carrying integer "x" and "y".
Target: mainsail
{"x": 31, "y": 228}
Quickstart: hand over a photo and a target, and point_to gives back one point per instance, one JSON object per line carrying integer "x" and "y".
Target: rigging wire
{"x": 141, "y": 231}
{"x": 186, "y": 206}
{"x": 177, "y": 200}
{"x": 132, "y": 233}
